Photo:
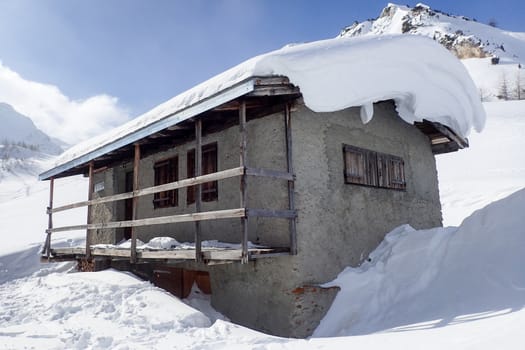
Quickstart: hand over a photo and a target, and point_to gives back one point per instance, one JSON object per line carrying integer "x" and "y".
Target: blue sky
{"x": 144, "y": 52}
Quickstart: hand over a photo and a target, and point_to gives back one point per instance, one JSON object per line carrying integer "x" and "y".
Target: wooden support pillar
{"x": 47, "y": 245}
{"x": 289, "y": 163}
{"x": 198, "y": 188}
{"x": 136, "y": 161}
{"x": 244, "y": 184}
{"x": 91, "y": 188}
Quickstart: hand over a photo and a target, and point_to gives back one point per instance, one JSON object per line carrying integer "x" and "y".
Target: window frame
{"x": 166, "y": 171}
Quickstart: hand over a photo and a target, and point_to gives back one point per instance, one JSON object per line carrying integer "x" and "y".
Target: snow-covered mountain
{"x": 465, "y": 37}
{"x": 22, "y": 144}
{"x": 476, "y": 44}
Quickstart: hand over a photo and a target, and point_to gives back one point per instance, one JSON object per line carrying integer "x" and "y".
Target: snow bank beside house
{"x": 436, "y": 277}
{"x": 424, "y": 79}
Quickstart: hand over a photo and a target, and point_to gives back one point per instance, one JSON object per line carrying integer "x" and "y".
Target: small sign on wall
{"x": 99, "y": 186}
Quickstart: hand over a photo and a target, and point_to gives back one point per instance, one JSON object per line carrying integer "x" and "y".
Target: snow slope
{"x": 491, "y": 168}
{"x": 22, "y": 211}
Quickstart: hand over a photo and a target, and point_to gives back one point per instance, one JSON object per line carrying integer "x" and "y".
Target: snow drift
{"x": 424, "y": 79}
{"x": 436, "y": 277}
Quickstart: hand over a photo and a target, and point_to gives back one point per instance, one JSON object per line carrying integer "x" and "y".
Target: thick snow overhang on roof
{"x": 424, "y": 79}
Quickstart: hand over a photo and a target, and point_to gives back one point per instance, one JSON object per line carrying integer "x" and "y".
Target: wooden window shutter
{"x": 396, "y": 169}
{"x": 209, "y": 166}
{"x": 355, "y": 165}
{"x": 370, "y": 168}
{"x": 382, "y": 170}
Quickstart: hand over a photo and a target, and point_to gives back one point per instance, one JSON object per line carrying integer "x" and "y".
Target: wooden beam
{"x": 445, "y": 148}
{"x": 220, "y": 175}
{"x": 172, "y": 219}
{"x": 91, "y": 189}
{"x": 235, "y": 105}
{"x": 47, "y": 245}
{"x": 100, "y": 170}
{"x": 291, "y": 183}
{"x": 275, "y": 80}
{"x": 209, "y": 254}
{"x": 182, "y": 254}
{"x": 243, "y": 182}
{"x": 69, "y": 251}
{"x": 136, "y": 162}
{"x": 461, "y": 142}
{"x": 274, "y": 90}
{"x": 198, "y": 189}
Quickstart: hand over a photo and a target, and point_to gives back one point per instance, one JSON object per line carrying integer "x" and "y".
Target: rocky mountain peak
{"x": 464, "y": 37}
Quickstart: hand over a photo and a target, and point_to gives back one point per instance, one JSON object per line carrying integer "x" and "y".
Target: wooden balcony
{"x": 200, "y": 254}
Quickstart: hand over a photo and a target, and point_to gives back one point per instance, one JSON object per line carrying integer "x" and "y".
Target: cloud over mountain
{"x": 55, "y": 113}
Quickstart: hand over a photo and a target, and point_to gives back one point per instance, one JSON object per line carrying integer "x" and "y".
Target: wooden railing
{"x": 242, "y": 212}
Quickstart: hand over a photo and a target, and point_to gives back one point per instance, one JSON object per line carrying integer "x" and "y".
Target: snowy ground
{"x": 459, "y": 288}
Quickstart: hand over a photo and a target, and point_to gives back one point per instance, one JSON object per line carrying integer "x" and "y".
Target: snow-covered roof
{"x": 423, "y": 78}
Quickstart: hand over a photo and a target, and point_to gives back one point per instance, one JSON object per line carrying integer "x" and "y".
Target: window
{"x": 209, "y": 165}
{"x": 166, "y": 171}
{"x": 369, "y": 168}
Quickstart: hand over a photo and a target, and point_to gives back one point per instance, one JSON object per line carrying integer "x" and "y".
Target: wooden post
{"x": 89, "y": 210}
{"x": 243, "y": 186}
{"x": 47, "y": 245}
{"x": 198, "y": 188}
{"x": 136, "y": 161}
{"x": 289, "y": 163}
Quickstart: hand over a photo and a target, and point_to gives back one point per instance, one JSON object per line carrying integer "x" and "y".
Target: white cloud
{"x": 57, "y": 115}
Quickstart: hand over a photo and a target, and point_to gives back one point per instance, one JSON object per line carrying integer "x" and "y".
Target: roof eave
{"x": 226, "y": 95}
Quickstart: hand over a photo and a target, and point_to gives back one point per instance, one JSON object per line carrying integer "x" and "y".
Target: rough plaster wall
{"x": 256, "y": 294}
{"x": 340, "y": 224}
{"x": 103, "y": 212}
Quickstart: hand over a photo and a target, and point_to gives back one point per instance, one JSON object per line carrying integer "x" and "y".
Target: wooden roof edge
{"x": 442, "y": 138}
{"x": 253, "y": 86}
